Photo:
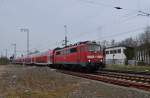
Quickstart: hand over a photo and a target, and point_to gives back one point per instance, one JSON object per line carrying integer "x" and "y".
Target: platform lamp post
{"x": 66, "y": 39}
{"x": 27, "y": 31}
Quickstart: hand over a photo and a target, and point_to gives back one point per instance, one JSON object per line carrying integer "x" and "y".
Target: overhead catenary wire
{"x": 103, "y": 37}
{"x": 105, "y": 25}
{"x": 139, "y": 11}
{"x": 122, "y": 33}
{"x": 96, "y": 3}
{"x": 134, "y": 11}
{"x": 106, "y": 5}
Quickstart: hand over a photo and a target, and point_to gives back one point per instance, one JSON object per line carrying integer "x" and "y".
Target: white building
{"x": 115, "y": 55}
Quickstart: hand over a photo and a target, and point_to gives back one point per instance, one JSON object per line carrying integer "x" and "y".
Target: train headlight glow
{"x": 89, "y": 60}
{"x": 101, "y": 60}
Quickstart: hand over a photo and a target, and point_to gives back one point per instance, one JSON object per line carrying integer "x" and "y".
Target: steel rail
{"x": 107, "y": 78}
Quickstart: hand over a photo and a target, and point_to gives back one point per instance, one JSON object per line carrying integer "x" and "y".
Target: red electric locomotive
{"x": 83, "y": 55}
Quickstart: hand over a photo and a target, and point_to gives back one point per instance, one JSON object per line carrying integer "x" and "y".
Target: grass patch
{"x": 4, "y": 61}
{"x": 129, "y": 68}
{"x": 58, "y": 93}
{"x": 36, "y": 82}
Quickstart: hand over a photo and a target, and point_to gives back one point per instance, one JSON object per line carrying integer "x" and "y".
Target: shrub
{"x": 4, "y": 61}
{"x": 141, "y": 63}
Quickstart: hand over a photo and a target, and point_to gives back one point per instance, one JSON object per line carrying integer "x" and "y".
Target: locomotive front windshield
{"x": 93, "y": 47}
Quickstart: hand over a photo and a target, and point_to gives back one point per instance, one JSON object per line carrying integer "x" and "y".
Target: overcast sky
{"x": 85, "y": 19}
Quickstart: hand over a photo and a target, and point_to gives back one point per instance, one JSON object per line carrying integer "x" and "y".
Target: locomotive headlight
{"x": 101, "y": 60}
{"x": 89, "y": 60}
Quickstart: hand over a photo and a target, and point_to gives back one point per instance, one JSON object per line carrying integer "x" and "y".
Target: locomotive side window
{"x": 72, "y": 50}
{"x": 58, "y": 53}
{"x": 67, "y": 51}
{"x": 62, "y": 52}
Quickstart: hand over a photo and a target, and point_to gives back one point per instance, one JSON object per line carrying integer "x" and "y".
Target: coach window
{"x": 72, "y": 50}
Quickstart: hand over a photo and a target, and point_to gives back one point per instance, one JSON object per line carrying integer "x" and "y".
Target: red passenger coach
{"x": 43, "y": 58}
{"x": 83, "y": 55}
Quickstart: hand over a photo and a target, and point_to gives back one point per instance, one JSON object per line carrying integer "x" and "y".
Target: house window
{"x": 119, "y": 50}
{"x": 107, "y": 52}
{"x": 115, "y": 51}
{"x": 111, "y": 51}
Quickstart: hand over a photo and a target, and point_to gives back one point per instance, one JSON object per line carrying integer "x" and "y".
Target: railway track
{"x": 127, "y": 76}
{"x": 128, "y": 72}
{"x": 122, "y": 79}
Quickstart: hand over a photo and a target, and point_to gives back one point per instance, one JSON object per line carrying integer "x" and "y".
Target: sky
{"x": 85, "y": 19}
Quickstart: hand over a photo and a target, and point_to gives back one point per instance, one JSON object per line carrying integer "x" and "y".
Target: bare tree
{"x": 112, "y": 42}
{"x": 129, "y": 42}
{"x": 144, "y": 38}
{"x": 105, "y": 44}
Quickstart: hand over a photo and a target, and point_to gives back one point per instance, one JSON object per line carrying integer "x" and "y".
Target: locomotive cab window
{"x": 93, "y": 47}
